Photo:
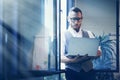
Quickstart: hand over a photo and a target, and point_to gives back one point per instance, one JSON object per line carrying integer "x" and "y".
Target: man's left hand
{"x": 99, "y": 53}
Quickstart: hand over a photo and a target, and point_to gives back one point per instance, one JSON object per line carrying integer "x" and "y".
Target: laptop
{"x": 83, "y": 46}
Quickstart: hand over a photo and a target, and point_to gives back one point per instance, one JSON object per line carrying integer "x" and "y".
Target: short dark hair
{"x": 76, "y": 9}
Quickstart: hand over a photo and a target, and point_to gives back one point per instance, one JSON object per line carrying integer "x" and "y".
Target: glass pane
{"x": 53, "y": 77}
{"x": 44, "y": 45}
{"x": 28, "y": 32}
{"x": 63, "y": 21}
{"x": 99, "y": 16}
{"x": 1, "y": 59}
{"x": 28, "y": 29}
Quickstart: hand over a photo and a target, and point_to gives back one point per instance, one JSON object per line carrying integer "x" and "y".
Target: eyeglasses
{"x": 75, "y": 18}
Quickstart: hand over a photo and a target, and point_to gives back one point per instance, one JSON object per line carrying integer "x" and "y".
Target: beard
{"x": 76, "y": 27}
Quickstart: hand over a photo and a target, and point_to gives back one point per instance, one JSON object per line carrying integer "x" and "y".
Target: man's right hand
{"x": 78, "y": 58}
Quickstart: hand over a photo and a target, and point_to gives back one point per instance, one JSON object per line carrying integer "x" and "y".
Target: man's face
{"x": 75, "y": 20}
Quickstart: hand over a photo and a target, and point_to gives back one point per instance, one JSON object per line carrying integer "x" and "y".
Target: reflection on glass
{"x": 102, "y": 21}
{"x": 44, "y": 44}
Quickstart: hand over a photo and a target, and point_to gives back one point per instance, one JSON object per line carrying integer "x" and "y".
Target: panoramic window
{"x": 103, "y": 22}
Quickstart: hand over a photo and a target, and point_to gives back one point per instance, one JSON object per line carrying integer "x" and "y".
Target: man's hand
{"x": 99, "y": 53}
{"x": 78, "y": 58}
